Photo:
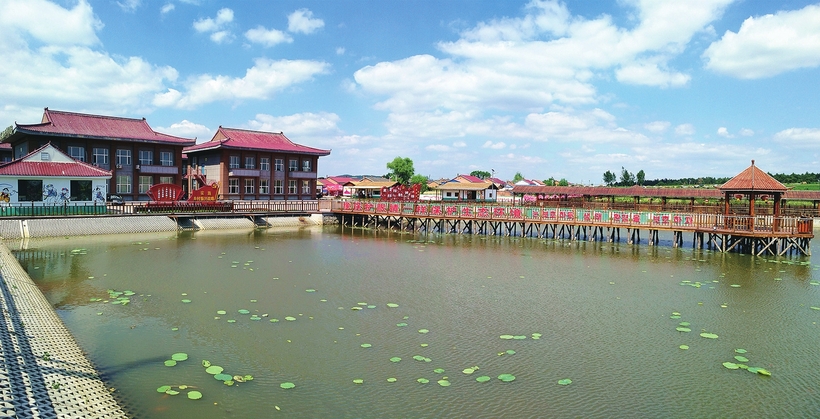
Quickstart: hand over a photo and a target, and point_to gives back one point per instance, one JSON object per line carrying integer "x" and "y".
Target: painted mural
{"x": 52, "y": 191}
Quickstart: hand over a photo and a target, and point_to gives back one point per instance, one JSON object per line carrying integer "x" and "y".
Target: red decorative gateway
{"x": 401, "y": 193}
{"x": 167, "y": 192}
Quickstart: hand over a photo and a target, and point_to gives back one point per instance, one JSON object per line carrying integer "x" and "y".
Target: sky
{"x": 561, "y": 89}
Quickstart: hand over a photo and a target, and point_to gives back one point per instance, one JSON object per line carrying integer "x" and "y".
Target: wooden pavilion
{"x": 753, "y": 183}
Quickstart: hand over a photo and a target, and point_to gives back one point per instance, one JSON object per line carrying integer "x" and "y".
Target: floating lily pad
{"x": 214, "y": 369}
{"x": 243, "y": 311}
{"x": 762, "y": 371}
{"x": 684, "y": 347}
{"x": 290, "y": 319}
{"x": 506, "y": 337}
{"x": 741, "y": 358}
{"x": 730, "y": 365}
{"x": 186, "y": 301}
{"x": 401, "y": 324}
{"x": 274, "y": 320}
{"x": 683, "y": 329}
{"x": 310, "y": 290}
{"x": 172, "y": 392}
{"x": 684, "y": 324}
{"x": 358, "y": 381}
{"x": 206, "y": 363}
{"x": 740, "y": 351}
{"x": 423, "y": 380}
{"x": 194, "y": 395}
{"x": 391, "y": 380}
{"x": 418, "y": 357}
{"x": 231, "y": 321}
{"x": 709, "y": 335}
{"x": 221, "y": 312}
{"x": 444, "y": 383}
{"x": 519, "y": 337}
{"x": 366, "y": 345}
{"x": 180, "y": 356}
{"x": 423, "y": 331}
{"x": 483, "y": 378}
{"x": 565, "y": 382}
{"x": 392, "y": 305}
{"x": 395, "y": 359}
{"x": 222, "y": 377}
{"x": 439, "y": 370}
{"x": 228, "y": 382}
{"x": 170, "y": 363}
{"x": 506, "y": 377}
{"x": 510, "y": 352}
{"x": 163, "y": 389}
{"x": 735, "y": 285}
{"x": 468, "y": 371}
{"x": 287, "y": 385}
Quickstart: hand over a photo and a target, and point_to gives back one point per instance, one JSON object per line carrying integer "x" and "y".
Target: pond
{"x": 368, "y": 324}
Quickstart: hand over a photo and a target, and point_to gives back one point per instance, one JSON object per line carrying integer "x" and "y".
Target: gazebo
{"x": 753, "y": 182}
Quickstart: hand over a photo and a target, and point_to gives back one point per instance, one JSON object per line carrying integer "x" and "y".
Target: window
{"x": 81, "y": 190}
{"x": 145, "y": 183}
{"x": 146, "y": 157}
{"x": 305, "y": 187}
{"x": 305, "y": 165}
{"x": 99, "y": 158}
{"x": 124, "y": 181}
{"x": 264, "y": 164}
{"x": 166, "y": 179}
{"x": 124, "y": 159}
{"x": 76, "y": 153}
{"x": 264, "y": 186}
{"x": 292, "y": 187}
{"x": 279, "y": 165}
{"x": 166, "y": 158}
{"x": 250, "y": 163}
{"x": 30, "y": 190}
{"x": 233, "y": 185}
{"x": 249, "y": 189}
{"x": 20, "y": 150}
{"x": 234, "y": 162}
{"x": 293, "y": 165}
{"x": 277, "y": 187}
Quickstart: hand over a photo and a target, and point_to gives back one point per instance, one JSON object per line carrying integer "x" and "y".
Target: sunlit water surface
{"x": 602, "y": 309}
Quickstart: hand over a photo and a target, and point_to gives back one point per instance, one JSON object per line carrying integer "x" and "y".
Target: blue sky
{"x": 545, "y": 88}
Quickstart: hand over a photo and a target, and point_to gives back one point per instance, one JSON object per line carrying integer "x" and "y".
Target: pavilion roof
{"x": 753, "y": 180}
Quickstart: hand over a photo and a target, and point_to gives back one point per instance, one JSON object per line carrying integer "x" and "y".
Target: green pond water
{"x": 599, "y": 314}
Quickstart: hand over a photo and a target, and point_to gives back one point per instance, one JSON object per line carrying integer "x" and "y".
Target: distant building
{"x": 468, "y": 188}
{"x": 136, "y": 155}
{"x": 254, "y": 165}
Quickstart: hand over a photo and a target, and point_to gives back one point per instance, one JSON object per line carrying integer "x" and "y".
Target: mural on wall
{"x": 6, "y": 191}
{"x": 50, "y": 194}
{"x": 99, "y": 196}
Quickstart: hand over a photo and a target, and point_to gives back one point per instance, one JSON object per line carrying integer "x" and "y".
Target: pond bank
{"x": 43, "y": 373}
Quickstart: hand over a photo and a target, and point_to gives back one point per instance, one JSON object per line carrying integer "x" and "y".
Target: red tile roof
{"x": 753, "y": 179}
{"x": 232, "y": 138}
{"x": 31, "y": 166}
{"x": 70, "y": 124}
{"x": 471, "y": 178}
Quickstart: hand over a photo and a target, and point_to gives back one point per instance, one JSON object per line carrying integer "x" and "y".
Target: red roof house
{"x": 255, "y": 165}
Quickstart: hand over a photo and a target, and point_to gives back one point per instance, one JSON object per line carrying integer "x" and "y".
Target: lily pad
{"x": 391, "y": 380}
{"x": 740, "y": 351}
{"x": 179, "y": 356}
{"x": 395, "y": 359}
{"x": 163, "y": 389}
{"x": 510, "y": 352}
{"x": 401, "y": 324}
{"x": 222, "y": 377}
{"x": 683, "y": 329}
{"x": 287, "y": 385}
{"x": 444, "y": 383}
{"x": 358, "y": 381}
{"x": 172, "y": 392}
{"x": 708, "y": 335}
{"x": 730, "y": 365}
{"x": 221, "y": 312}
{"x": 418, "y": 357}
{"x": 565, "y": 382}
{"x": 206, "y": 363}
{"x": 423, "y": 380}
{"x": 214, "y": 369}
{"x": 243, "y": 311}
{"x": 506, "y": 337}
{"x": 439, "y": 370}
{"x": 741, "y": 358}
{"x": 170, "y": 363}
{"x": 423, "y": 331}
{"x": 762, "y": 371}
{"x": 506, "y": 377}
{"x": 194, "y": 395}
{"x": 392, "y": 305}
{"x": 186, "y": 301}
{"x": 483, "y": 379}
{"x": 468, "y": 371}
{"x": 290, "y": 319}
{"x": 310, "y": 290}
{"x": 519, "y": 337}
{"x": 366, "y": 345}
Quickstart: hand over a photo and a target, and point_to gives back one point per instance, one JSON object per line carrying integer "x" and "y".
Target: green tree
{"x": 627, "y": 179}
{"x": 609, "y": 178}
{"x": 563, "y": 182}
{"x": 550, "y": 181}
{"x": 480, "y": 174}
{"x": 6, "y": 132}
{"x": 641, "y": 177}
{"x": 421, "y": 180}
{"x": 518, "y": 177}
{"x": 401, "y": 170}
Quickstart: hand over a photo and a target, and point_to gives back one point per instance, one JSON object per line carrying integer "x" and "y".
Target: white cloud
{"x": 301, "y": 125}
{"x": 302, "y": 21}
{"x": 685, "y": 129}
{"x": 799, "y": 137}
{"x": 216, "y": 26}
{"x": 437, "y": 147}
{"x": 723, "y": 132}
{"x": 746, "y": 132}
{"x": 768, "y": 45}
{"x": 596, "y": 126}
{"x": 261, "y": 81}
{"x": 495, "y": 146}
{"x": 657, "y": 126}
{"x": 167, "y": 8}
{"x": 267, "y": 37}
{"x": 129, "y": 5}
{"x": 340, "y": 51}
{"x": 648, "y": 74}
{"x": 50, "y": 23}
{"x": 459, "y": 144}
{"x": 188, "y": 129}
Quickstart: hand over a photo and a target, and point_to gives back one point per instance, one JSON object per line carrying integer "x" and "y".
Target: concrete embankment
{"x": 43, "y": 371}
{"x": 87, "y": 226}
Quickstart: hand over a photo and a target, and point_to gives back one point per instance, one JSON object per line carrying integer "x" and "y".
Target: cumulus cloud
{"x": 167, "y": 8}
{"x": 648, "y": 74}
{"x": 799, "y": 137}
{"x": 261, "y": 81}
{"x": 495, "y": 146}
{"x": 267, "y": 37}
{"x": 302, "y": 21}
{"x": 746, "y": 132}
{"x": 657, "y": 126}
{"x": 306, "y": 124}
{"x": 685, "y": 129}
{"x": 216, "y": 26}
{"x": 129, "y": 5}
{"x": 49, "y": 23}
{"x": 768, "y": 45}
{"x": 188, "y": 129}
{"x": 723, "y": 132}
{"x": 340, "y": 51}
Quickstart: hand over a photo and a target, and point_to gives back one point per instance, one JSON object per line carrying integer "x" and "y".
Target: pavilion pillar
{"x": 726, "y": 203}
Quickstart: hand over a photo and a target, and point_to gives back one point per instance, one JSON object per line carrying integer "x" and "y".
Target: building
{"x": 254, "y": 165}
{"x": 136, "y": 155}
{"x": 48, "y": 176}
{"x": 468, "y": 188}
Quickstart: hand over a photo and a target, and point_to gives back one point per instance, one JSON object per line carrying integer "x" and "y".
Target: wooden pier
{"x": 757, "y": 235}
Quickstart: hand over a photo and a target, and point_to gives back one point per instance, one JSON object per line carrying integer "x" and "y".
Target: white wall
{"x": 56, "y": 190}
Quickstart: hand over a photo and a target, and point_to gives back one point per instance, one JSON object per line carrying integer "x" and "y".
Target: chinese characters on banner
{"x": 401, "y": 193}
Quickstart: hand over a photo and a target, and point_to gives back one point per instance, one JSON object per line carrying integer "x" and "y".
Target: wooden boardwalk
{"x": 758, "y": 235}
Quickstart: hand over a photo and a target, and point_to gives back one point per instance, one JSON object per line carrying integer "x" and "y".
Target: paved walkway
{"x": 43, "y": 372}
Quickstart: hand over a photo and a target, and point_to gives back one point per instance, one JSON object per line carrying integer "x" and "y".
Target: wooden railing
{"x": 662, "y": 220}
{"x": 28, "y": 210}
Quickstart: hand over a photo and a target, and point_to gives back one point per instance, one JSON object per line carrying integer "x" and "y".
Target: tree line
{"x": 628, "y": 179}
